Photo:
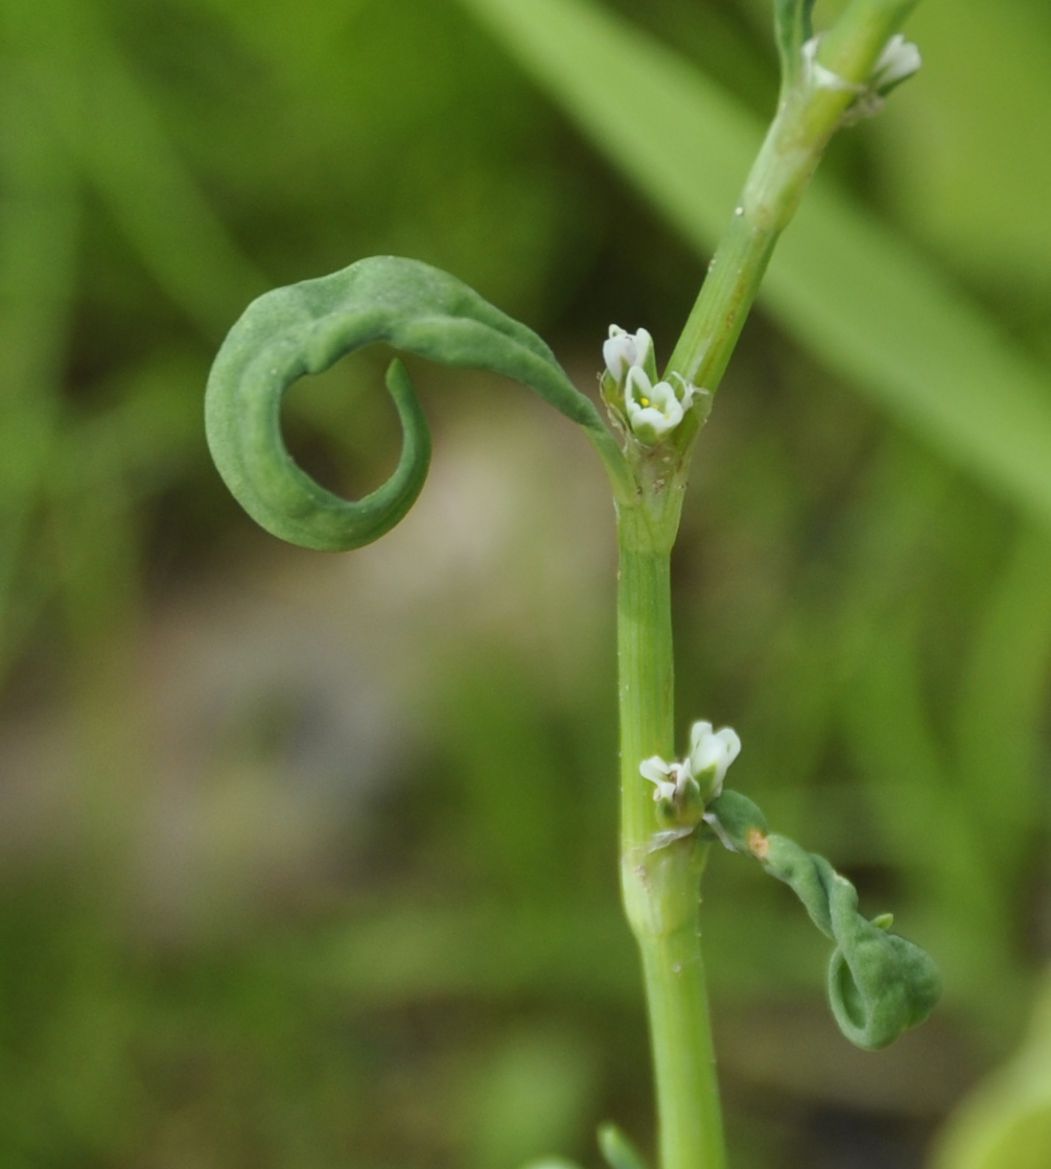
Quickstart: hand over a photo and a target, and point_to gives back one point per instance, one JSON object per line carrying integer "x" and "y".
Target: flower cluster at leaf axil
{"x": 684, "y": 787}
{"x": 649, "y": 408}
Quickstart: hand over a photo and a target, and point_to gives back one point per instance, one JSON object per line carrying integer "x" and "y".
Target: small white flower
{"x": 667, "y": 777}
{"x": 654, "y": 409}
{"x": 711, "y": 753}
{"x": 624, "y": 350}
{"x": 899, "y": 60}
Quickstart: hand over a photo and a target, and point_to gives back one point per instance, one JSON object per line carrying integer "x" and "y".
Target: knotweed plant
{"x": 675, "y": 804}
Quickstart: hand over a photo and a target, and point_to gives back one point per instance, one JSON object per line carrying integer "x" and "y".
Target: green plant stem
{"x": 661, "y": 887}
{"x": 806, "y": 120}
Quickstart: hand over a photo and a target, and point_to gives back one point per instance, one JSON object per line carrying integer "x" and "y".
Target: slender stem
{"x": 806, "y": 120}
{"x": 689, "y": 1110}
{"x": 661, "y": 886}
{"x": 646, "y": 676}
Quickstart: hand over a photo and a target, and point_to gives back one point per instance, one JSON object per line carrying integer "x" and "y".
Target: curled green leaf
{"x": 304, "y": 329}
{"x": 879, "y": 983}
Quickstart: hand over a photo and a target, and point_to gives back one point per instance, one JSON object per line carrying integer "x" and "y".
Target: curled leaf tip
{"x": 306, "y": 328}
{"x": 879, "y": 983}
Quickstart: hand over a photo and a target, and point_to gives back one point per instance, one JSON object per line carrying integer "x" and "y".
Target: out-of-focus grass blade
{"x": 847, "y": 287}
{"x": 1001, "y": 709}
{"x": 1006, "y": 1122}
{"x": 618, "y": 1150}
{"x": 38, "y": 239}
{"x": 109, "y": 126}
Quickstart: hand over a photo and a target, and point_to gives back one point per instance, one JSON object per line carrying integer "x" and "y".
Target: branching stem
{"x": 806, "y": 120}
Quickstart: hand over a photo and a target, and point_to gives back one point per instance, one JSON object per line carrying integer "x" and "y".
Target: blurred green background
{"x": 309, "y": 861}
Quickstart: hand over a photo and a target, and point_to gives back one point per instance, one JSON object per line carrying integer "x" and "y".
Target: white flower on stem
{"x": 655, "y": 409}
{"x": 899, "y": 60}
{"x": 624, "y": 350}
{"x": 669, "y": 779}
{"x": 711, "y": 753}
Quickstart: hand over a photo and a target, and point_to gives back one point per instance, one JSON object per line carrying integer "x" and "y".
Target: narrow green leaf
{"x": 793, "y": 29}
{"x": 111, "y": 127}
{"x": 1000, "y": 778}
{"x": 847, "y": 287}
{"x": 1006, "y": 1122}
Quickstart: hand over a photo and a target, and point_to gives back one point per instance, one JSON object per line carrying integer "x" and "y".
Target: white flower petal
{"x": 698, "y": 732}
{"x": 900, "y": 59}
{"x": 638, "y": 389}
{"x": 616, "y": 352}
{"x": 643, "y": 348}
{"x": 624, "y": 351}
{"x": 653, "y": 409}
{"x": 667, "y": 778}
{"x": 655, "y": 769}
{"x": 712, "y": 752}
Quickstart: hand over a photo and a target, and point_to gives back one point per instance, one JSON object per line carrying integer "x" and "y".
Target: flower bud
{"x": 624, "y": 350}
{"x": 711, "y": 753}
{"x": 899, "y": 60}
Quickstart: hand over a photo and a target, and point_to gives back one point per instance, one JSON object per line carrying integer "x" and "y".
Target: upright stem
{"x": 661, "y": 886}
{"x": 806, "y": 119}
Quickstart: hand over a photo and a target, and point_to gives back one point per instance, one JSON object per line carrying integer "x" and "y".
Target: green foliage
{"x": 305, "y": 329}
{"x": 851, "y": 289}
{"x": 882, "y": 617}
{"x": 793, "y": 27}
{"x": 1006, "y": 1122}
{"x": 879, "y": 984}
